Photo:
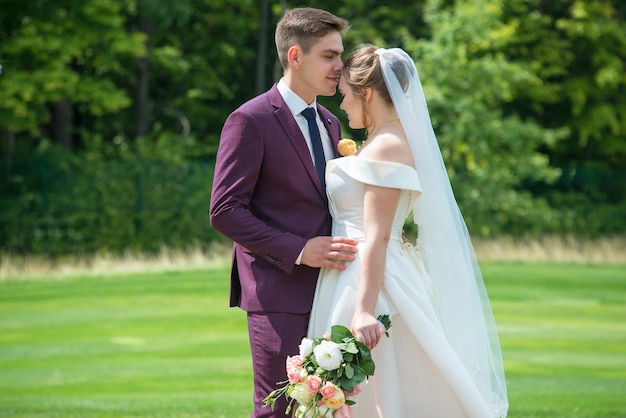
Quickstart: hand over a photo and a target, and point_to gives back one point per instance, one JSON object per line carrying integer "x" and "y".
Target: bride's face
{"x": 352, "y": 105}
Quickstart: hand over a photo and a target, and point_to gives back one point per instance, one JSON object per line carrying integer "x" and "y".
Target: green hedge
{"x": 66, "y": 206}
{"x": 59, "y": 203}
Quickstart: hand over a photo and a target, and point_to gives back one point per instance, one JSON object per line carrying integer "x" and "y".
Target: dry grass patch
{"x": 553, "y": 249}
{"x": 167, "y": 259}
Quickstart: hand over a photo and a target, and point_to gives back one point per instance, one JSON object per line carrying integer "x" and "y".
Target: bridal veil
{"x": 448, "y": 253}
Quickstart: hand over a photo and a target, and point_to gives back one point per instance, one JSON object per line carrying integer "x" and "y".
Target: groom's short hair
{"x": 304, "y": 26}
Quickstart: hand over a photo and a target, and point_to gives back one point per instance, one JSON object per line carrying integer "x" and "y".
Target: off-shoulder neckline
{"x": 369, "y": 160}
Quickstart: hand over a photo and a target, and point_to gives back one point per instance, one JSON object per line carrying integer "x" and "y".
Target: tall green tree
{"x": 468, "y": 82}
{"x": 517, "y": 89}
{"x": 156, "y": 20}
{"x": 578, "y": 51}
{"x": 58, "y": 59}
{"x": 202, "y": 67}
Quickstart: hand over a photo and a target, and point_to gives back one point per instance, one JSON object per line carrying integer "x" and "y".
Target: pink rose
{"x": 328, "y": 390}
{"x": 345, "y": 411}
{"x": 313, "y": 383}
{"x": 294, "y": 362}
{"x": 355, "y": 391}
{"x": 294, "y": 376}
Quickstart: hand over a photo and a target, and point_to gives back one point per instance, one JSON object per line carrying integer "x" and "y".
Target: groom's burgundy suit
{"x": 268, "y": 199}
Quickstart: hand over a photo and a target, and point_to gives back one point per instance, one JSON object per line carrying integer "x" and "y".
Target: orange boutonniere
{"x": 346, "y": 147}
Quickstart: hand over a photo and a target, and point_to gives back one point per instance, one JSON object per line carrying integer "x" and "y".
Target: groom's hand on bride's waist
{"x": 330, "y": 252}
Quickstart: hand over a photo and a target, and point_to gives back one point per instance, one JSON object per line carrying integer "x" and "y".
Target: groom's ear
{"x": 293, "y": 56}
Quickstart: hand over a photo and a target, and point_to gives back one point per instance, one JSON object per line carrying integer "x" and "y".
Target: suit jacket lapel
{"x": 291, "y": 128}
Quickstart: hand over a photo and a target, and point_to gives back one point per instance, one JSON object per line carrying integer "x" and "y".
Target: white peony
{"x": 328, "y": 355}
{"x": 306, "y": 347}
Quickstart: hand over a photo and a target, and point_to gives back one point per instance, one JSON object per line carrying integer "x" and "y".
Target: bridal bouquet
{"x": 324, "y": 377}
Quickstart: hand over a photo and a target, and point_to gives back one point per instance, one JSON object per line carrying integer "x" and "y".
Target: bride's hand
{"x": 367, "y": 329}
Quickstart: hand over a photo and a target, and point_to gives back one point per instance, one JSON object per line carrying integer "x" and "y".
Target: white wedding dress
{"x": 418, "y": 374}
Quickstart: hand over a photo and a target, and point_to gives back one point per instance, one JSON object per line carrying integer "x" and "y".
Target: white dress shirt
{"x": 296, "y": 105}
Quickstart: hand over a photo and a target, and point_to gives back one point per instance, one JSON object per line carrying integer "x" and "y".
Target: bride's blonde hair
{"x": 362, "y": 69}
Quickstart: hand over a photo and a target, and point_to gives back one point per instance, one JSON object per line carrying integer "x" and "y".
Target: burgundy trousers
{"x": 273, "y": 337}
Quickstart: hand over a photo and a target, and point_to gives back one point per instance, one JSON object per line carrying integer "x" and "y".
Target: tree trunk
{"x": 8, "y": 148}
{"x": 62, "y": 122}
{"x": 278, "y": 68}
{"x": 143, "y": 79}
{"x": 262, "y": 48}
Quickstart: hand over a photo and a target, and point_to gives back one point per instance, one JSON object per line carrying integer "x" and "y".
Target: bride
{"x": 442, "y": 358}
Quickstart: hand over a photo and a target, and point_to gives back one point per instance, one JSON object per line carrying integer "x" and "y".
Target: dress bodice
{"x": 346, "y": 178}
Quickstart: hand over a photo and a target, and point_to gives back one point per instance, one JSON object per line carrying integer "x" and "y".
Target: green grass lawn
{"x": 166, "y": 344}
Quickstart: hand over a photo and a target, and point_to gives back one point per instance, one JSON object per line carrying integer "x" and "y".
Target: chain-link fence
{"x": 69, "y": 206}
{"x": 72, "y": 205}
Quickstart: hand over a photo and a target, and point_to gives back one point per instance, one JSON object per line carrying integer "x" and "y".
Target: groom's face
{"x": 320, "y": 68}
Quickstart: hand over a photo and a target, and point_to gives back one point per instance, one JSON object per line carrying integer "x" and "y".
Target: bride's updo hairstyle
{"x": 362, "y": 69}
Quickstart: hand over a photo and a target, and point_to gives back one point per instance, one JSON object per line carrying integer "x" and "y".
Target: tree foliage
{"x": 469, "y": 81}
{"x": 528, "y": 97}
{"x": 63, "y": 51}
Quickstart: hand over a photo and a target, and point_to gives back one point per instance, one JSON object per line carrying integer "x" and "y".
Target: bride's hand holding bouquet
{"x": 323, "y": 379}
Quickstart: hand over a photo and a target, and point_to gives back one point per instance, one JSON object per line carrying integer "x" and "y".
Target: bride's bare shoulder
{"x": 389, "y": 146}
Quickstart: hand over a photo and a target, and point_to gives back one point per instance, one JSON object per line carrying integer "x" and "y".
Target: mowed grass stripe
{"x": 563, "y": 334}
{"x": 123, "y": 345}
{"x": 164, "y": 344}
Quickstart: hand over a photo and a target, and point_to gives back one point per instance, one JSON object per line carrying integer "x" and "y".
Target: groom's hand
{"x": 331, "y": 252}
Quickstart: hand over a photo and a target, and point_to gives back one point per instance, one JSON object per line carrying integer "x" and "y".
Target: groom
{"x": 269, "y": 199}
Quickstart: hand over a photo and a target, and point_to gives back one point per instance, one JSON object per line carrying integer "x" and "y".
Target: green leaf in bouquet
{"x": 369, "y": 368}
{"x": 347, "y": 384}
{"x": 351, "y": 348}
{"x": 362, "y": 347}
{"x": 364, "y": 352}
{"x": 384, "y": 319}
{"x": 349, "y": 371}
{"x": 368, "y": 365}
{"x": 359, "y": 375}
{"x": 339, "y": 332}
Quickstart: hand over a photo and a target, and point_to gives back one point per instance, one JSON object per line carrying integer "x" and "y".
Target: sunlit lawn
{"x": 165, "y": 344}
{"x": 563, "y": 334}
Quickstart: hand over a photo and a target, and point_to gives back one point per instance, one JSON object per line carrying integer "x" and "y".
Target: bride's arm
{"x": 379, "y": 209}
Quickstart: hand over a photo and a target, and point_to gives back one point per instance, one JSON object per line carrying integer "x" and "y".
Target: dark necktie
{"x": 316, "y": 141}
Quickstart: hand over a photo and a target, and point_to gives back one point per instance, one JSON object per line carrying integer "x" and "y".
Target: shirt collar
{"x": 294, "y": 102}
